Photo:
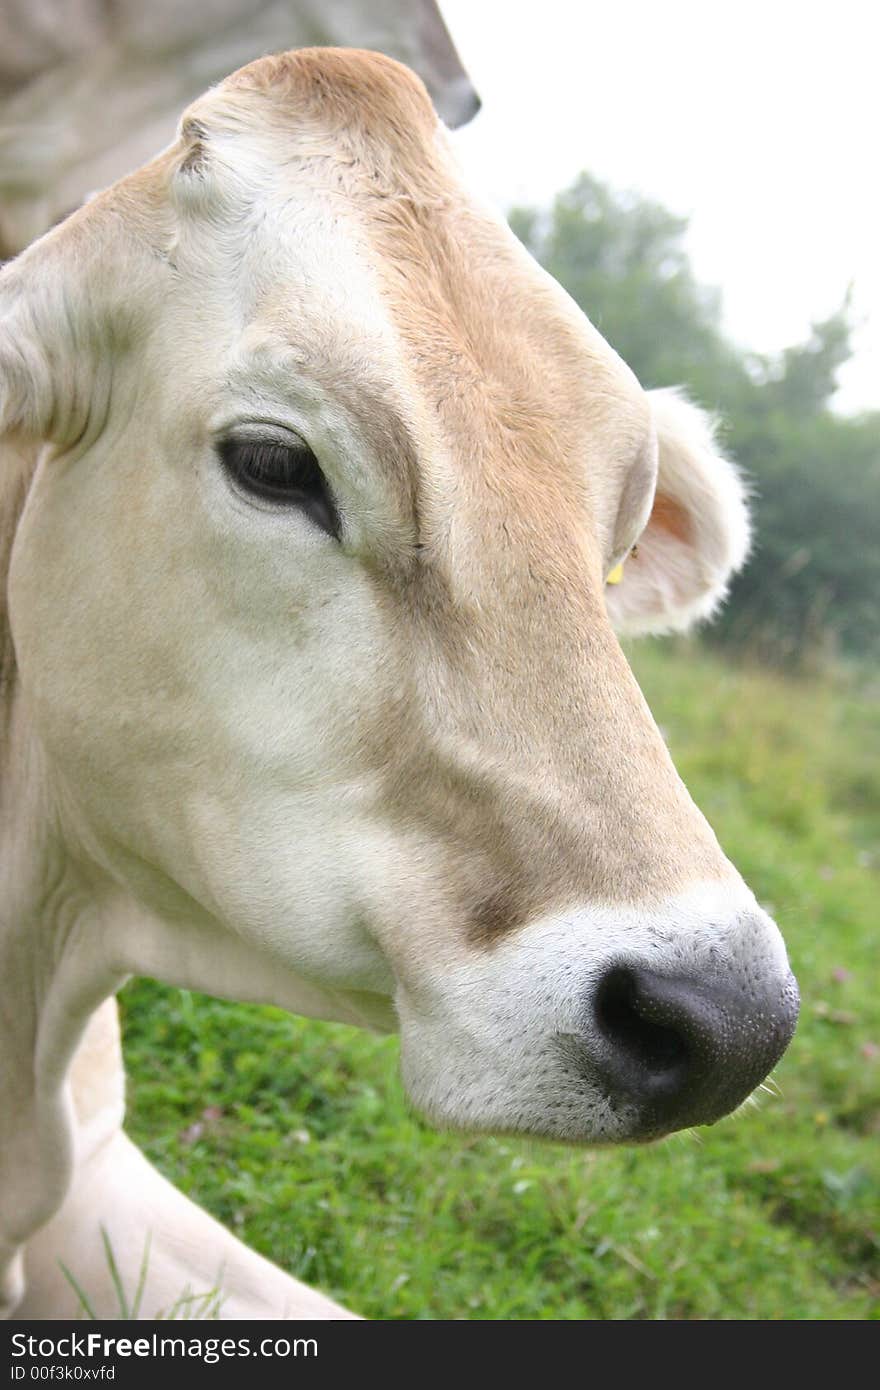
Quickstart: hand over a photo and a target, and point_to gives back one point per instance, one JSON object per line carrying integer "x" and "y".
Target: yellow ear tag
{"x": 616, "y": 574}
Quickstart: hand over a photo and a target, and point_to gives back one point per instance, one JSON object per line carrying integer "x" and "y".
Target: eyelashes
{"x": 283, "y": 475}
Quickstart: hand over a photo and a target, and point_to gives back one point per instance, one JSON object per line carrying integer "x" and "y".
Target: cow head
{"x": 311, "y": 620}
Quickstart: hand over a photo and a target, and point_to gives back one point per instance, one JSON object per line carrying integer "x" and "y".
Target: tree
{"x": 622, "y": 258}
{"x": 814, "y": 577}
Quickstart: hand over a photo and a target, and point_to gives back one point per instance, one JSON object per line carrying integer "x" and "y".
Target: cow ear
{"x": 25, "y": 404}
{"x": 697, "y": 534}
{"x": 47, "y": 341}
{"x": 63, "y": 314}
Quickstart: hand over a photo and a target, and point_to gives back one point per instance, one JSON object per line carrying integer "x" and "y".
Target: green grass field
{"x": 298, "y": 1135}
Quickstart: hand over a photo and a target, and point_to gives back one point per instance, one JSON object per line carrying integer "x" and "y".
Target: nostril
{"x": 628, "y": 1019}
{"x": 684, "y": 1049}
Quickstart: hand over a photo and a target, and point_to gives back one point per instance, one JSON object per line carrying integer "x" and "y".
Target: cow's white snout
{"x": 605, "y": 1025}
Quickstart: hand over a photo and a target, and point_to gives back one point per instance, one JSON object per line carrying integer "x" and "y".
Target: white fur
{"x": 496, "y": 1019}
{"x": 672, "y": 584}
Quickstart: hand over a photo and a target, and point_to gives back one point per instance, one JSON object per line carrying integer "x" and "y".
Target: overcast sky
{"x": 759, "y": 121}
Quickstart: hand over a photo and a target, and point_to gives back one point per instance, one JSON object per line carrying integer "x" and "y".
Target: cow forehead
{"x": 414, "y": 306}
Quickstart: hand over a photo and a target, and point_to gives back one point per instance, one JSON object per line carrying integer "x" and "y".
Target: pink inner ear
{"x": 670, "y": 516}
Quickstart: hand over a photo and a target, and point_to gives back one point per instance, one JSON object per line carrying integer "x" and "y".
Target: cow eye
{"x": 286, "y": 474}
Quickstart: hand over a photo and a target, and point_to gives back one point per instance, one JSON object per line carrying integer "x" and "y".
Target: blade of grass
{"x": 124, "y": 1311}
{"x": 142, "y": 1279}
{"x": 79, "y": 1291}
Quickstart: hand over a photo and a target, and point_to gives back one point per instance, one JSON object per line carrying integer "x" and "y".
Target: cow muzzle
{"x": 681, "y": 1051}
{"x": 604, "y": 1024}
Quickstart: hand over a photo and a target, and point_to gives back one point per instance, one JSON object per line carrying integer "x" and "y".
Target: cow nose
{"x": 686, "y": 1052}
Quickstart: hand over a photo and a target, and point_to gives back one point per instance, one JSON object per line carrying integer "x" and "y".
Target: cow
{"x": 313, "y": 483}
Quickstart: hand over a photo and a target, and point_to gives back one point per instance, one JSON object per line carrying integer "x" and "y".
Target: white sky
{"x": 758, "y": 119}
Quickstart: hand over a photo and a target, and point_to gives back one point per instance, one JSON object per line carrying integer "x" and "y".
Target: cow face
{"x": 310, "y": 610}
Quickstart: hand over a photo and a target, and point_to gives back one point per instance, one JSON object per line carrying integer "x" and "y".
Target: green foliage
{"x": 813, "y": 582}
{"x": 298, "y": 1136}
{"x": 622, "y": 260}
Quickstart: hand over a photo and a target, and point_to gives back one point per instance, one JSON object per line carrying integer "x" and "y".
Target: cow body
{"x": 312, "y": 690}
{"x": 89, "y": 89}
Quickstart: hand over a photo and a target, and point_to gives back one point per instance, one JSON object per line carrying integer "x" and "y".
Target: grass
{"x": 298, "y": 1136}
{"x": 186, "y": 1306}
